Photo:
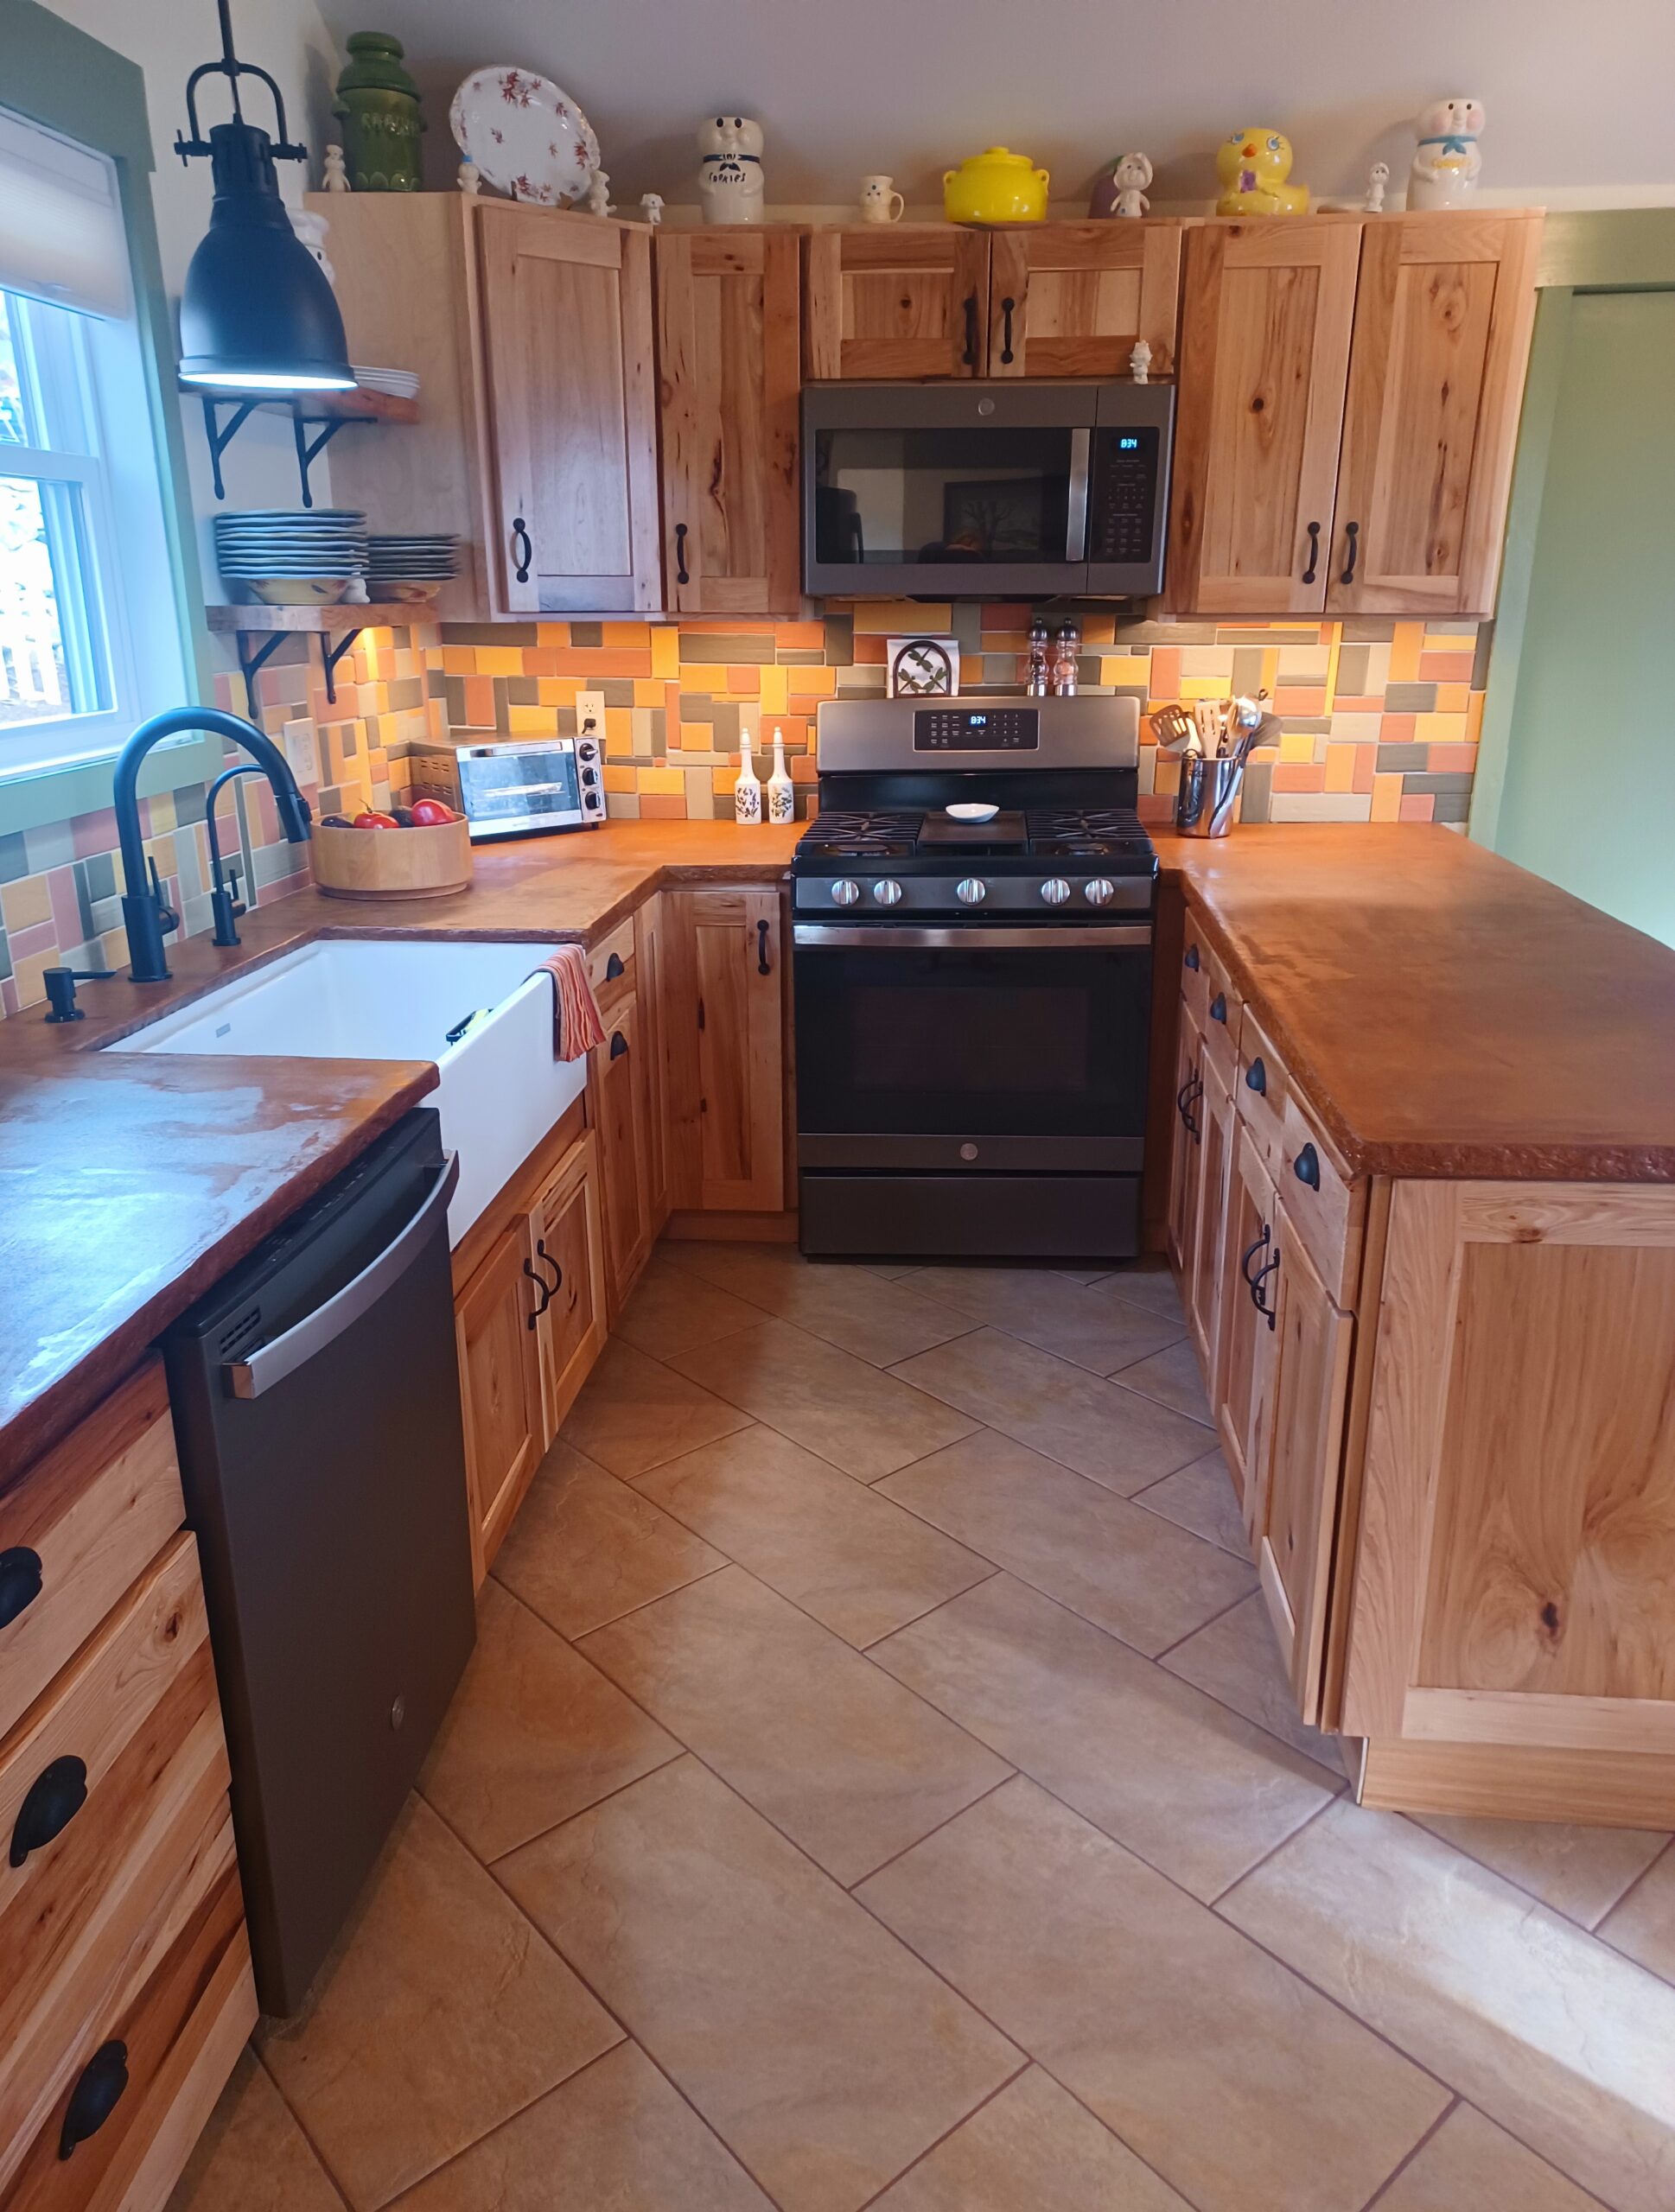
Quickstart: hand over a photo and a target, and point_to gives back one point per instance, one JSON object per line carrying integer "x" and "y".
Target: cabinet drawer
{"x": 144, "y": 2066}
{"x": 1263, "y": 1086}
{"x": 1223, "y": 1010}
{"x": 611, "y": 965}
{"x": 1325, "y": 1205}
{"x": 77, "y": 1529}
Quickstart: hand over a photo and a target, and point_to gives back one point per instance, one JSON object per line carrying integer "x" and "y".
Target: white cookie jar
{"x": 730, "y": 183}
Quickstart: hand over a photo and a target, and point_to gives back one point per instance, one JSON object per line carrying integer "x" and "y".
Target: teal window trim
{"x": 58, "y": 77}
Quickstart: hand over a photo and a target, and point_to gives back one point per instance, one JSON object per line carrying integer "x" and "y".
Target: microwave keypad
{"x": 1125, "y": 507}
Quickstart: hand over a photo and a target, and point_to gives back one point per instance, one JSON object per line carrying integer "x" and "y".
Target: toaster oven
{"x": 543, "y": 783}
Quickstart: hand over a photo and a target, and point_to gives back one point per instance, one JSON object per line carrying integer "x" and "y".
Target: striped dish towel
{"x": 576, "y": 1024}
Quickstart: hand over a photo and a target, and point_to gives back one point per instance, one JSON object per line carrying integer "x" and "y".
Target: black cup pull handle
{"x": 762, "y": 966}
{"x": 20, "y": 1581}
{"x": 540, "y": 1283}
{"x": 1181, "y": 1098}
{"x": 619, "y": 1045}
{"x": 681, "y": 576}
{"x": 51, "y": 1802}
{"x": 546, "y": 1258}
{"x": 1259, "y": 1283}
{"x": 1006, "y": 352}
{"x": 1255, "y": 1077}
{"x": 1351, "y": 531}
{"x": 612, "y": 967}
{"x": 1313, "y": 569}
{"x": 1219, "y": 1007}
{"x": 1307, "y": 1167}
{"x": 969, "y": 357}
{"x": 95, "y": 2096}
{"x": 1191, "y": 958}
{"x": 523, "y": 558}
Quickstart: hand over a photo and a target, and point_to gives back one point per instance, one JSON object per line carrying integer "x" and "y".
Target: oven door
{"x": 972, "y": 1047}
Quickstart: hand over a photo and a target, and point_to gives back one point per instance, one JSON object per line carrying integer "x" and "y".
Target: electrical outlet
{"x": 299, "y": 751}
{"x": 591, "y": 705}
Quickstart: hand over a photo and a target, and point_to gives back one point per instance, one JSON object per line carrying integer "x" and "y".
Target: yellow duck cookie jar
{"x": 1253, "y": 166}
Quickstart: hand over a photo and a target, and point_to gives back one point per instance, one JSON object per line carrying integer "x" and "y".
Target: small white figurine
{"x": 1377, "y": 178}
{"x": 469, "y": 179}
{"x": 650, "y": 207}
{"x": 1446, "y": 162}
{"x": 334, "y": 176}
{"x": 1139, "y": 362}
{"x": 1130, "y": 177}
{"x": 598, "y": 198}
{"x": 730, "y": 183}
{"x": 880, "y": 200}
{"x": 312, "y": 229}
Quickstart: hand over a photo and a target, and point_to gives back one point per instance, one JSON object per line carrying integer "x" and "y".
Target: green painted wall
{"x": 1587, "y": 790}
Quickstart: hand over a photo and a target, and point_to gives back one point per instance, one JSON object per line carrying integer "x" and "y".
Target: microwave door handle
{"x": 1075, "y": 533}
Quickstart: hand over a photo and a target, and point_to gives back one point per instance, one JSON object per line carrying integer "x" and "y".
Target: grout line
{"x": 1158, "y": 1657}
{"x": 297, "y": 2120}
{"x": 1257, "y": 1865}
{"x": 1403, "y": 2164}
{"x": 1025, "y": 2062}
{"x": 1651, "y": 1867}
{"x": 1000, "y": 1782}
{"x": 627, "y": 1614}
{"x": 915, "y": 1620}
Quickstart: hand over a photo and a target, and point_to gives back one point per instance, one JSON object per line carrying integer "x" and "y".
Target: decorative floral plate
{"x": 526, "y": 136}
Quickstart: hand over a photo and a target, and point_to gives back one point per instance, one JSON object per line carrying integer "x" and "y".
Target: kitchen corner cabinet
{"x": 728, "y": 374}
{"x": 934, "y": 301}
{"x": 1349, "y": 402}
{"x": 723, "y": 1038}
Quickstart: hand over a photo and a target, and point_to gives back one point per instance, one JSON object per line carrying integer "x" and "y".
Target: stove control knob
{"x": 1056, "y": 890}
{"x": 845, "y": 893}
{"x": 886, "y": 893}
{"x": 971, "y": 891}
{"x": 1100, "y": 891}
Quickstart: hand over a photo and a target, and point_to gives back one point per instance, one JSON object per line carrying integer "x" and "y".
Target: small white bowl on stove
{"x": 972, "y": 810}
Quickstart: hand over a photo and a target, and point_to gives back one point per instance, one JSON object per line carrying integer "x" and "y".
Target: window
{"x": 89, "y": 636}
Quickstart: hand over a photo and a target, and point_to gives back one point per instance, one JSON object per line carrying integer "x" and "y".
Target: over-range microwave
{"x": 984, "y": 490}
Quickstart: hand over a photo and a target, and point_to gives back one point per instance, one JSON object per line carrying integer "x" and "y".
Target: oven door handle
{"x": 1075, "y": 528}
{"x": 887, "y": 937}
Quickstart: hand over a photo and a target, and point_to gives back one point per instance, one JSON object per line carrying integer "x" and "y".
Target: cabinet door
{"x": 1072, "y": 298}
{"x": 1265, "y": 320}
{"x": 908, "y": 300}
{"x": 570, "y": 1254}
{"x": 648, "y": 930}
{"x": 726, "y": 1047}
{"x": 1300, "y": 1492}
{"x": 619, "y": 1081}
{"x": 1442, "y": 321}
{"x": 566, "y": 317}
{"x": 1214, "y": 1115}
{"x": 1247, "y": 1341}
{"x": 729, "y": 310}
{"x": 494, "y": 1325}
{"x": 1185, "y": 1155}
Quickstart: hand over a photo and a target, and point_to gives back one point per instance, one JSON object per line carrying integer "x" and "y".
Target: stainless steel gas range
{"x": 973, "y": 995}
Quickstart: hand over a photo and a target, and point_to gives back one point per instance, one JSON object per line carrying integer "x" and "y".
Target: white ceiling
{"x": 1577, "y": 95}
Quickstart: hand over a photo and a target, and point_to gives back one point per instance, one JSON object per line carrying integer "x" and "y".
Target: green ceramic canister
{"x": 378, "y": 104}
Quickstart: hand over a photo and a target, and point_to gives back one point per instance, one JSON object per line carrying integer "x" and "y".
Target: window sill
{"x": 30, "y": 797}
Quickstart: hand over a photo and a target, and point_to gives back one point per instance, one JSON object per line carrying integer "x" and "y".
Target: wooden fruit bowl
{"x": 392, "y": 863}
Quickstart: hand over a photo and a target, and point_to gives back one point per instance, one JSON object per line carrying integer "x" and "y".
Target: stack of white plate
{"x": 290, "y": 559}
{"x": 401, "y": 384}
{"x": 412, "y": 567}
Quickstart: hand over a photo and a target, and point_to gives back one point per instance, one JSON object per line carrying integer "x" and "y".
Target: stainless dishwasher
{"x": 316, "y": 1408}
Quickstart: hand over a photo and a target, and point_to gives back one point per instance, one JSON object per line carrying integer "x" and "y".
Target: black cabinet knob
{"x": 614, "y": 968}
{"x": 95, "y": 2096}
{"x": 1219, "y": 1007}
{"x": 1307, "y": 1167}
{"x": 20, "y": 1581}
{"x": 1191, "y": 958}
{"x": 51, "y": 1802}
{"x": 1255, "y": 1077}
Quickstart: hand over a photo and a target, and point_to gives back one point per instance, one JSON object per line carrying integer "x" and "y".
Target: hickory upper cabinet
{"x": 933, "y": 301}
{"x": 1349, "y": 395}
{"x": 729, "y": 303}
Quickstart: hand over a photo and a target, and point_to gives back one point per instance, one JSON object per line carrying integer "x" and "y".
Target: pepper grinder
{"x": 1066, "y": 660}
{"x": 1036, "y": 685}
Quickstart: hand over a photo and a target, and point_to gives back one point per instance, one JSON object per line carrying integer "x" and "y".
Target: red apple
{"x": 431, "y": 814}
{"x": 369, "y": 820}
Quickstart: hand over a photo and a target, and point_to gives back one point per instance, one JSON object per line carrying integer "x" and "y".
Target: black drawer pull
{"x": 547, "y": 1260}
{"x": 1191, "y": 958}
{"x": 541, "y": 1284}
{"x": 762, "y": 967}
{"x": 1219, "y": 1007}
{"x": 614, "y": 968}
{"x": 1309, "y": 574}
{"x": 969, "y": 357}
{"x": 95, "y": 2096}
{"x": 51, "y": 1802}
{"x": 619, "y": 1045}
{"x": 527, "y": 555}
{"x": 1255, "y": 1077}
{"x": 681, "y": 576}
{"x": 1307, "y": 1167}
{"x": 1259, "y": 1279}
{"x": 1351, "y": 531}
{"x": 1006, "y": 352}
{"x": 20, "y": 1582}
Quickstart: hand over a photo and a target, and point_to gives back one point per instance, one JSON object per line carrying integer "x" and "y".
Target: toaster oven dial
{"x": 971, "y": 891}
{"x": 844, "y": 893}
{"x": 1056, "y": 890}
{"x": 886, "y": 892}
{"x": 1100, "y": 891}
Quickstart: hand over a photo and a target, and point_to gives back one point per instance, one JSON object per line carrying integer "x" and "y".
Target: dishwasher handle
{"x": 248, "y": 1378}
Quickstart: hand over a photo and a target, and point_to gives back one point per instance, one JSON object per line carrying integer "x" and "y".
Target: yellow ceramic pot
{"x": 996, "y": 187}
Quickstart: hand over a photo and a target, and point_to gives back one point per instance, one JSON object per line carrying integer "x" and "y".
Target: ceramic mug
{"x": 880, "y": 202}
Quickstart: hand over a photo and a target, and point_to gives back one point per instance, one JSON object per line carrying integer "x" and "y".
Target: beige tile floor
{"x": 874, "y": 1786}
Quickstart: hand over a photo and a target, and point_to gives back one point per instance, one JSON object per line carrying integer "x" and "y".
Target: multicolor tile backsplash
{"x": 1379, "y": 723}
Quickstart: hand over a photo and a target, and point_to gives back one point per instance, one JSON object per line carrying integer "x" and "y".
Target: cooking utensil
{"x": 1208, "y": 794}
{"x": 1172, "y": 727}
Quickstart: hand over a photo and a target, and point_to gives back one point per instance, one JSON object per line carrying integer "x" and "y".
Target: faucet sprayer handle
{"x": 167, "y": 920}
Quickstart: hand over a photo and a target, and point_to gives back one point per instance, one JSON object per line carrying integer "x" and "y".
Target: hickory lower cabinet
{"x": 127, "y": 1992}
{"x": 723, "y": 1040}
{"x": 1444, "y": 1408}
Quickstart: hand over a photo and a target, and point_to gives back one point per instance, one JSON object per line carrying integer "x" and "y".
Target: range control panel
{"x": 976, "y": 730}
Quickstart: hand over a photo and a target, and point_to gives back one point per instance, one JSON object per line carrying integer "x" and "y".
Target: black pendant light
{"x": 256, "y": 313}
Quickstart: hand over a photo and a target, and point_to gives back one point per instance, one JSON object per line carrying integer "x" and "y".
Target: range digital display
{"x": 976, "y": 730}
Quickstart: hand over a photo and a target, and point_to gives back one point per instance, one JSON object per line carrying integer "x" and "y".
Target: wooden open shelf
{"x": 383, "y": 615}
{"x": 360, "y": 406}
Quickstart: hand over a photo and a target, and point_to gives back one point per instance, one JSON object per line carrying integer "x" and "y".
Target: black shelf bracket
{"x": 220, "y": 439}
{"x": 308, "y": 449}
{"x": 330, "y": 654}
{"x": 250, "y": 665}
